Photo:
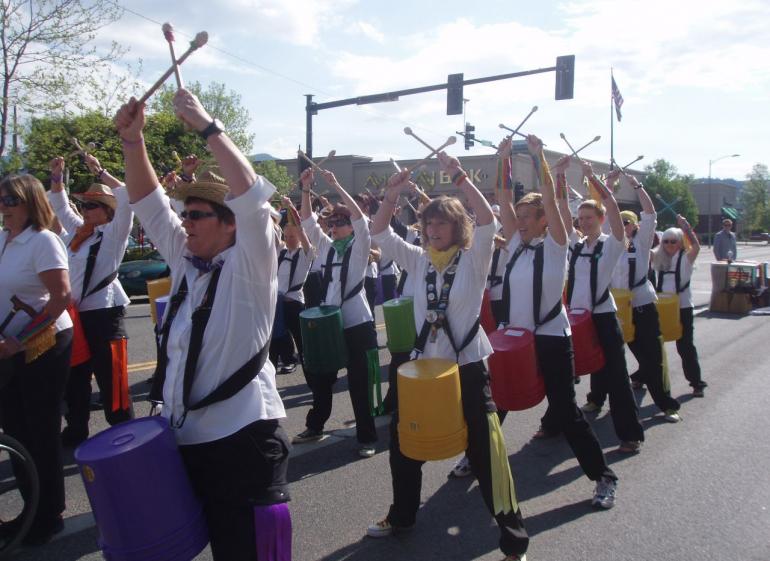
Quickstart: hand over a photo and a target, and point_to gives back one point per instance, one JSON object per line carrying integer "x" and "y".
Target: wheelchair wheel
{"x": 19, "y": 493}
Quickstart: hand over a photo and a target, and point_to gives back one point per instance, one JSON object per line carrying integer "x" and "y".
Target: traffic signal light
{"x": 454, "y": 94}
{"x": 518, "y": 191}
{"x": 565, "y": 77}
{"x": 469, "y": 135}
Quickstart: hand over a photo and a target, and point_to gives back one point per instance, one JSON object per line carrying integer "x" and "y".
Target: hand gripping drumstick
{"x": 200, "y": 40}
{"x": 516, "y": 130}
{"x": 168, "y": 33}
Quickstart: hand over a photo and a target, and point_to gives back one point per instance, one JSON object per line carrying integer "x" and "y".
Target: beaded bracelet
{"x": 56, "y": 178}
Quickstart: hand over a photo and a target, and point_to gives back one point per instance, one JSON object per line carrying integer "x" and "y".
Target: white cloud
{"x": 367, "y": 30}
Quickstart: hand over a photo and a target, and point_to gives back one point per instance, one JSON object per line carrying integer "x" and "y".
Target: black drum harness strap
{"x": 493, "y": 279}
{"x": 537, "y": 286}
{"x": 90, "y": 264}
{"x": 293, "y": 260}
{"x": 436, "y": 317}
{"x": 632, "y": 282}
{"x": 200, "y": 318}
{"x": 597, "y": 253}
{"x": 677, "y": 276}
{"x": 327, "y": 276}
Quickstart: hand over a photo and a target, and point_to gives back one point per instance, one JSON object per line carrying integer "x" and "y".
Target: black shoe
{"x": 307, "y": 435}
{"x": 43, "y": 535}
{"x": 72, "y": 439}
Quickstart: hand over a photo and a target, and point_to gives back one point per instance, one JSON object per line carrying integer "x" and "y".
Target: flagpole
{"x": 612, "y": 125}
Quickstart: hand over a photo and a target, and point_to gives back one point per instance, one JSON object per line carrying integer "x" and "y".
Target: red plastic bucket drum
{"x": 589, "y": 356}
{"x": 488, "y": 323}
{"x": 516, "y": 382}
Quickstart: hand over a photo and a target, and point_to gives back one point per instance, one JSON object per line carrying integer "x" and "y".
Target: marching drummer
{"x": 631, "y": 273}
{"x": 96, "y": 244}
{"x": 450, "y": 273}
{"x": 591, "y": 263}
{"x": 345, "y": 256}
{"x": 218, "y": 388}
{"x": 673, "y": 264}
{"x": 294, "y": 260}
{"x": 533, "y": 283}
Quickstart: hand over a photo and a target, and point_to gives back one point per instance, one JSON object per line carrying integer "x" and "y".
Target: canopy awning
{"x": 730, "y": 212}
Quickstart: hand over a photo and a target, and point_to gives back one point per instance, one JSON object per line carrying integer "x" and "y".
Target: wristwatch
{"x": 214, "y": 127}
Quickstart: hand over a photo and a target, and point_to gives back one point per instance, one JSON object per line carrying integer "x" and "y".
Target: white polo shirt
{"x": 304, "y": 260}
{"x": 241, "y": 318}
{"x": 644, "y": 294}
{"x": 464, "y": 299}
{"x": 607, "y": 260}
{"x": 521, "y": 281}
{"x": 114, "y": 241}
{"x": 22, "y": 259}
{"x": 355, "y": 310}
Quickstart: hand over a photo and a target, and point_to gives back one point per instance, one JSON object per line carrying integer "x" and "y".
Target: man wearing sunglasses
{"x": 96, "y": 243}
{"x": 218, "y": 388}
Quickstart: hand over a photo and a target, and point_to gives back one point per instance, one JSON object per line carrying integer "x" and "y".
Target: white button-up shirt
{"x": 644, "y": 294}
{"x": 464, "y": 299}
{"x": 114, "y": 238}
{"x": 608, "y": 259}
{"x": 521, "y": 281}
{"x": 241, "y": 317}
{"x": 355, "y": 310}
{"x": 21, "y": 261}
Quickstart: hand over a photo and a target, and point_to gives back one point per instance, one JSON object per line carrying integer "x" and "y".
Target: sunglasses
{"x": 90, "y": 205}
{"x": 626, "y": 222}
{"x": 338, "y": 223}
{"x": 10, "y": 200}
{"x": 671, "y": 241}
{"x": 196, "y": 214}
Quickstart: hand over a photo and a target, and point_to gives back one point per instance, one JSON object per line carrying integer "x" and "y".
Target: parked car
{"x": 760, "y": 237}
{"x": 133, "y": 275}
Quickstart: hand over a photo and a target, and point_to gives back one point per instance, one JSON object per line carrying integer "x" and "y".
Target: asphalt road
{"x": 699, "y": 490}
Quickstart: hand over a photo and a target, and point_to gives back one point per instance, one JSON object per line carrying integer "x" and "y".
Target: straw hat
{"x": 208, "y": 186}
{"x": 631, "y": 216}
{"x": 97, "y": 193}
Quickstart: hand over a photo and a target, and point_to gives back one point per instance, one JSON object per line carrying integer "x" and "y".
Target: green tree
{"x": 755, "y": 199}
{"x": 46, "y": 47}
{"x": 664, "y": 182}
{"x": 222, "y": 104}
{"x": 276, "y": 174}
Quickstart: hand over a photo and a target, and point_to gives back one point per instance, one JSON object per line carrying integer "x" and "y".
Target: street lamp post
{"x": 710, "y": 221}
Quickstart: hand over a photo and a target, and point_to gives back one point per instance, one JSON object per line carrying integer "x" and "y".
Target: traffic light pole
{"x": 312, "y": 108}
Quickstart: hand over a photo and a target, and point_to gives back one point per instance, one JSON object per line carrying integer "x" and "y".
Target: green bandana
{"x": 340, "y": 246}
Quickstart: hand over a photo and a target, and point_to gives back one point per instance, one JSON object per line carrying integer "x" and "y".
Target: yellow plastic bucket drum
{"x": 399, "y": 324}
{"x": 625, "y": 313}
{"x": 155, "y": 289}
{"x": 668, "y": 312}
{"x": 431, "y": 424}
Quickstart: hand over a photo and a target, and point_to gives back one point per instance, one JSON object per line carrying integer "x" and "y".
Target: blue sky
{"x": 694, "y": 75}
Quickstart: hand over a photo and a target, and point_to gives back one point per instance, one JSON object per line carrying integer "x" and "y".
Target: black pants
{"x": 685, "y": 346}
{"x": 312, "y": 289}
{"x": 613, "y": 379}
{"x": 391, "y": 397}
{"x": 31, "y": 413}
{"x": 358, "y": 339}
{"x": 234, "y": 474}
{"x": 647, "y": 347}
{"x": 388, "y": 287}
{"x": 406, "y": 473}
{"x": 101, "y": 327}
{"x": 283, "y": 346}
{"x": 370, "y": 288}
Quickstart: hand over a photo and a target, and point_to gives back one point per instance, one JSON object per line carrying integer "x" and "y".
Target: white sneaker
{"x": 462, "y": 468}
{"x": 513, "y": 557}
{"x": 384, "y": 528}
{"x": 604, "y": 494}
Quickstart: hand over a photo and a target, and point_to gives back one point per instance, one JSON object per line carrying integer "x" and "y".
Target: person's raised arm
{"x": 692, "y": 253}
{"x": 641, "y": 193}
{"x": 562, "y": 194}
{"x": 608, "y": 200}
{"x": 397, "y": 183}
{"x": 57, "y": 174}
{"x": 507, "y": 211}
{"x": 545, "y": 181}
{"x": 140, "y": 176}
{"x": 235, "y": 168}
{"x": 291, "y": 209}
{"x": 100, "y": 173}
{"x": 355, "y": 211}
{"x": 476, "y": 200}
{"x": 306, "y": 180}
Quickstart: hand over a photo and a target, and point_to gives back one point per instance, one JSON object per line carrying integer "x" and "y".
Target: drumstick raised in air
{"x": 200, "y": 39}
{"x": 516, "y": 130}
{"x": 410, "y": 132}
{"x": 449, "y": 141}
{"x": 576, "y": 152}
{"x": 168, "y": 33}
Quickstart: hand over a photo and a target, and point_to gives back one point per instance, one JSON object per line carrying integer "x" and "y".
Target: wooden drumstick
{"x": 200, "y": 40}
{"x": 314, "y": 165}
{"x": 168, "y": 33}
{"x": 328, "y": 157}
{"x": 410, "y": 132}
{"x": 449, "y": 141}
{"x": 516, "y": 130}
{"x": 587, "y": 144}
{"x": 564, "y": 138}
{"x": 395, "y": 165}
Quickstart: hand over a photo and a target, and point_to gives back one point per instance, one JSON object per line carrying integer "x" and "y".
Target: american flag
{"x": 617, "y": 98}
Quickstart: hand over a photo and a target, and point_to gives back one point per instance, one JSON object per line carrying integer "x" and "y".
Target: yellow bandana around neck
{"x": 441, "y": 259}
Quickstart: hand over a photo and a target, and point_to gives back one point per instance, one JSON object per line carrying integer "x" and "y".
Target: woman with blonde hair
{"x": 673, "y": 264}
{"x": 450, "y": 273}
{"x": 35, "y": 340}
